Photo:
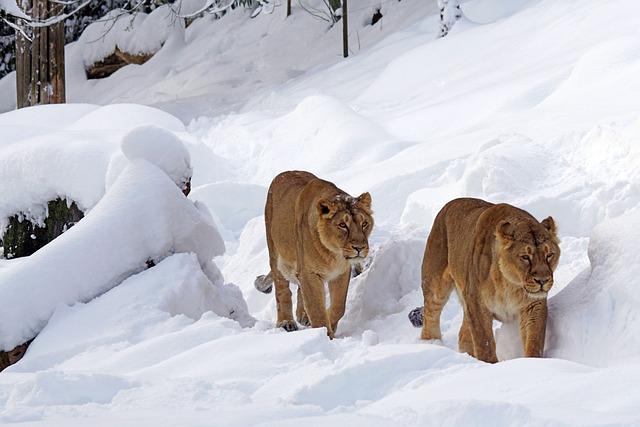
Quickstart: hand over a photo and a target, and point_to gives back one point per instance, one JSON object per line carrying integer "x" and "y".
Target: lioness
{"x": 315, "y": 232}
{"x": 501, "y": 260}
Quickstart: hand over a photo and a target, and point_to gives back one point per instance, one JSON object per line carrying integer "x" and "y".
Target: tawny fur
{"x": 315, "y": 233}
{"x": 501, "y": 261}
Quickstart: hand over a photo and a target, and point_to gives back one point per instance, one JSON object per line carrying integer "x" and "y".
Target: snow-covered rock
{"x": 135, "y": 34}
{"x": 144, "y": 216}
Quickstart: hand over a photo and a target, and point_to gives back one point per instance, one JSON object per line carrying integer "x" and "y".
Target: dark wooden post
{"x": 288, "y": 7}
{"x": 345, "y": 30}
{"x": 40, "y": 77}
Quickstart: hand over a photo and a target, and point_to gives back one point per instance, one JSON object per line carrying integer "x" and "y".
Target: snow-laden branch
{"x": 10, "y": 8}
{"x": 208, "y": 7}
{"x": 57, "y": 19}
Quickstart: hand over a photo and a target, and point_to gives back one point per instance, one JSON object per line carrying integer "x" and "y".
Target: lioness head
{"x": 528, "y": 254}
{"x": 344, "y": 225}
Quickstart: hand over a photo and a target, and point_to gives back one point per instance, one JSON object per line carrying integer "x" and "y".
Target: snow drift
{"x": 532, "y": 103}
{"x": 142, "y": 218}
{"x": 591, "y": 319}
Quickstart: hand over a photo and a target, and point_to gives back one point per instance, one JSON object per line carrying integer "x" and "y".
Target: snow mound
{"x": 51, "y": 388}
{"x": 232, "y": 213}
{"x": 379, "y": 291}
{"x": 41, "y": 162}
{"x": 123, "y": 117}
{"x": 158, "y": 301}
{"x": 250, "y": 260}
{"x": 592, "y": 318}
{"x": 43, "y": 169}
{"x": 161, "y": 148}
{"x": 136, "y": 34}
{"x": 143, "y": 217}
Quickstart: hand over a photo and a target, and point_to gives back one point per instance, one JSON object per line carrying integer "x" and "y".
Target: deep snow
{"x": 530, "y": 102}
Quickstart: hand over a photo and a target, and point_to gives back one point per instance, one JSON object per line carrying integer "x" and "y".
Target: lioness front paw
{"x": 288, "y": 325}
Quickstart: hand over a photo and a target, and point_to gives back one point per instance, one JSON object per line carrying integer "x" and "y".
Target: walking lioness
{"x": 501, "y": 261}
{"x": 315, "y": 232}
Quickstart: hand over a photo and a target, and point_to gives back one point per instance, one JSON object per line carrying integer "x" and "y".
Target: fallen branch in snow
{"x": 8, "y": 358}
{"x": 24, "y": 236}
{"x": 114, "y": 62}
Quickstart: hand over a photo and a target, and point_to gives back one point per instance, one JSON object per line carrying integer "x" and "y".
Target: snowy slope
{"x": 526, "y": 102}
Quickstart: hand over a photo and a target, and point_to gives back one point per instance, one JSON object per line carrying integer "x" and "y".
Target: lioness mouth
{"x": 537, "y": 294}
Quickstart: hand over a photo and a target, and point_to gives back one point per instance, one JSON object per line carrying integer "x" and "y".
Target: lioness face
{"x": 344, "y": 225}
{"x": 529, "y": 254}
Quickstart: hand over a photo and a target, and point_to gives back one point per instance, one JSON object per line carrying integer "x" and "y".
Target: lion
{"x": 501, "y": 261}
{"x": 315, "y": 234}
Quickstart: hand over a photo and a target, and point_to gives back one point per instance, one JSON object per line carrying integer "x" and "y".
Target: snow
{"x": 530, "y": 102}
{"x": 11, "y": 8}
{"x": 142, "y": 217}
{"x": 604, "y": 292}
{"x": 42, "y": 159}
{"x": 136, "y": 34}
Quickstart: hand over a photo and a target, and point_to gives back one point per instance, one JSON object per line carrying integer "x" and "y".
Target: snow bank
{"x": 143, "y": 217}
{"x": 158, "y": 146}
{"x": 161, "y": 300}
{"x": 380, "y": 290}
{"x": 46, "y": 148}
{"x": 231, "y": 213}
{"x": 592, "y": 319}
{"x": 249, "y": 260}
{"x": 136, "y": 34}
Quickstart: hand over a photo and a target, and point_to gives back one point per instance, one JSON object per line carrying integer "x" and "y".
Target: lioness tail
{"x": 416, "y": 317}
{"x": 264, "y": 283}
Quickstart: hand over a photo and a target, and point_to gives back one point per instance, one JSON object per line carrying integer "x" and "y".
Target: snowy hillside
{"x": 529, "y": 102}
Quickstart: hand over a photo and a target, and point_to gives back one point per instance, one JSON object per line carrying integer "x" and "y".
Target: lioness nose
{"x": 358, "y": 248}
{"x": 541, "y": 281}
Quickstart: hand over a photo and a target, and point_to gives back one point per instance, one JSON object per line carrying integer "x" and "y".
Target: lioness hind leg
{"x": 436, "y": 294}
{"x": 437, "y": 282}
{"x": 301, "y": 314}
{"x": 465, "y": 341}
{"x": 283, "y": 303}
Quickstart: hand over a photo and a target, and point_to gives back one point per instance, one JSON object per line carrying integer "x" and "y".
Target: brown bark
{"x": 8, "y": 358}
{"x": 40, "y": 62}
{"x": 114, "y": 62}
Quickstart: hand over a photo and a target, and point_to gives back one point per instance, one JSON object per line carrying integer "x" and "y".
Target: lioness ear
{"x": 506, "y": 230}
{"x": 364, "y": 201}
{"x": 326, "y": 208}
{"x": 550, "y": 225}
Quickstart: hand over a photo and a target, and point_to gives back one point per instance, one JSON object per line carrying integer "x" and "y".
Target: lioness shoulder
{"x": 500, "y": 260}
{"x": 315, "y": 233}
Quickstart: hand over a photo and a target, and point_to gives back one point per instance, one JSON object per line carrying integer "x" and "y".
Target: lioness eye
{"x": 525, "y": 257}
{"x": 550, "y": 255}
{"x": 342, "y": 225}
{"x": 365, "y": 224}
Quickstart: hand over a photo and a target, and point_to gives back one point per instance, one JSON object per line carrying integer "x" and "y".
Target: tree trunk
{"x": 22, "y": 237}
{"x": 345, "y": 30}
{"x": 40, "y": 62}
{"x": 288, "y": 7}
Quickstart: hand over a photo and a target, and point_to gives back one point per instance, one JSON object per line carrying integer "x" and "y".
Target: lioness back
{"x": 500, "y": 260}
{"x": 279, "y": 213}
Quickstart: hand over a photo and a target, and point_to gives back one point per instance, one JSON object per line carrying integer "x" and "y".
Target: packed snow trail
{"x": 529, "y": 102}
